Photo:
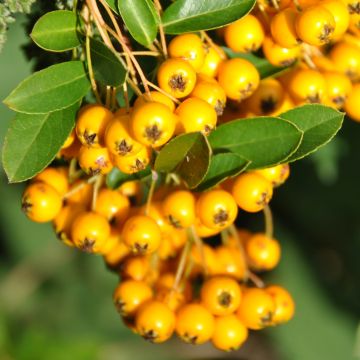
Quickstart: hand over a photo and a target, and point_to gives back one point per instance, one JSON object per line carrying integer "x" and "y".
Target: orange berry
{"x": 284, "y": 304}
{"x": 214, "y": 56}
{"x": 155, "y": 96}
{"x": 55, "y": 177}
{"x": 283, "y": 28}
{"x": 277, "y": 174}
{"x": 95, "y": 160}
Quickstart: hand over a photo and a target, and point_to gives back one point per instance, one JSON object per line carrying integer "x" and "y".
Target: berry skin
{"x": 179, "y": 208}
{"x": 230, "y": 262}
{"x": 141, "y": 234}
{"x": 82, "y": 195}
{"x": 338, "y": 88}
{"x": 194, "y": 324}
{"x": 116, "y": 255}
{"x": 208, "y": 258}
{"x": 284, "y": 304}
{"x": 216, "y": 209}
{"x": 188, "y": 47}
{"x": 91, "y": 123}
{"x": 244, "y": 35}
{"x": 239, "y": 78}
{"x": 156, "y": 96}
{"x": 353, "y": 6}
{"x": 136, "y": 268}
{"x": 111, "y": 204}
{"x": 41, "y": 202}
{"x": 221, "y": 295}
{"x": 118, "y": 138}
{"x": 307, "y": 85}
{"x": 341, "y": 16}
{"x": 252, "y": 192}
{"x": 69, "y": 140}
{"x": 346, "y": 59}
{"x": 155, "y": 211}
{"x": 196, "y": 115}
{"x": 155, "y": 321}
{"x": 134, "y": 163}
{"x": 177, "y": 77}
{"x": 263, "y": 253}
{"x": 267, "y": 98}
{"x": 130, "y": 295}
{"x": 212, "y": 93}
{"x": 283, "y": 28}
{"x": 256, "y": 309}
{"x": 90, "y": 231}
{"x": 230, "y": 333}
{"x": 112, "y": 242}
{"x": 204, "y": 231}
{"x": 130, "y": 188}
{"x": 95, "y": 160}
{"x": 213, "y": 58}
{"x": 315, "y": 25}
{"x": 277, "y": 174}
{"x": 64, "y": 220}
{"x": 153, "y": 124}
{"x": 55, "y": 177}
{"x": 352, "y": 103}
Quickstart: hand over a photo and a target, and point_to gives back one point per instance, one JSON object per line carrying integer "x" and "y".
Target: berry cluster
{"x": 173, "y": 279}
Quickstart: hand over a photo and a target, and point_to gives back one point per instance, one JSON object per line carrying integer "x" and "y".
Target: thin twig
{"x": 233, "y": 232}
{"x": 175, "y": 100}
{"x": 80, "y": 186}
{"x": 269, "y": 224}
{"x": 199, "y": 244}
{"x": 181, "y": 265}
{"x": 96, "y": 188}
{"x": 154, "y": 178}
{"x": 161, "y": 29}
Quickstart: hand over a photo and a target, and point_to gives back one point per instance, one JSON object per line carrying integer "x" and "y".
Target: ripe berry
{"x": 133, "y": 163}
{"x": 277, "y": 174}
{"x": 221, "y": 295}
{"x": 283, "y": 28}
{"x": 136, "y": 268}
{"x": 188, "y": 47}
{"x": 244, "y": 35}
{"x": 284, "y": 304}
{"x": 338, "y": 88}
{"x": 216, "y": 209}
{"x": 252, "y": 192}
{"x": 315, "y": 25}
{"x": 213, "y": 58}
{"x": 69, "y": 140}
{"x": 256, "y": 309}
{"x": 155, "y": 96}
{"x": 230, "y": 262}
{"x": 239, "y": 78}
{"x": 155, "y": 321}
{"x": 153, "y": 124}
{"x": 130, "y": 295}
{"x": 95, "y": 160}
{"x": 91, "y": 123}
{"x": 41, "y": 202}
{"x": 117, "y": 254}
{"x": 141, "y": 234}
{"x": 90, "y": 231}
{"x": 341, "y": 16}
{"x": 352, "y": 107}
{"x": 55, "y": 177}
{"x": 177, "y": 77}
{"x": 194, "y": 324}
{"x": 230, "y": 333}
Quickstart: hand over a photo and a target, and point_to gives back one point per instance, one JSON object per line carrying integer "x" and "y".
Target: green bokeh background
{"x": 56, "y": 303}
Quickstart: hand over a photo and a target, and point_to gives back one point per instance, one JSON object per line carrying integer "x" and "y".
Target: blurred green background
{"x": 56, "y": 303}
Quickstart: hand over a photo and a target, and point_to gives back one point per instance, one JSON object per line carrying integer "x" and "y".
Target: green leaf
{"x": 265, "y": 141}
{"x": 188, "y": 15}
{"x": 263, "y": 66}
{"x": 56, "y": 31}
{"x": 108, "y": 69}
{"x": 222, "y": 166}
{"x": 318, "y": 122}
{"x": 113, "y": 5}
{"x": 115, "y": 178}
{"x": 33, "y": 140}
{"x": 188, "y": 155}
{"x": 54, "y": 88}
{"x": 141, "y": 19}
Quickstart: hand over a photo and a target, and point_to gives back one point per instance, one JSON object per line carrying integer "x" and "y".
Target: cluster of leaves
{"x": 46, "y": 103}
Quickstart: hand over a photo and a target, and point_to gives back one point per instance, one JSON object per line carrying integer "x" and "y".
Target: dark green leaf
{"x": 141, "y": 19}
{"x": 188, "y": 155}
{"x": 107, "y": 66}
{"x": 54, "y": 88}
{"x": 265, "y": 141}
{"x": 189, "y": 15}
{"x": 222, "y": 166}
{"x": 319, "y": 124}
{"x": 261, "y": 63}
{"x": 56, "y": 31}
{"x": 115, "y": 178}
{"x": 33, "y": 140}
{"x": 113, "y": 5}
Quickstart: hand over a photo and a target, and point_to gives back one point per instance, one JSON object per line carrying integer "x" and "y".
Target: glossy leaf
{"x": 263, "y": 66}
{"x": 56, "y": 31}
{"x": 141, "y": 19}
{"x": 265, "y": 141}
{"x": 222, "y": 166}
{"x": 107, "y": 66}
{"x": 187, "y": 155}
{"x": 116, "y": 178}
{"x": 188, "y": 15}
{"x": 319, "y": 124}
{"x": 54, "y": 88}
{"x": 33, "y": 140}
